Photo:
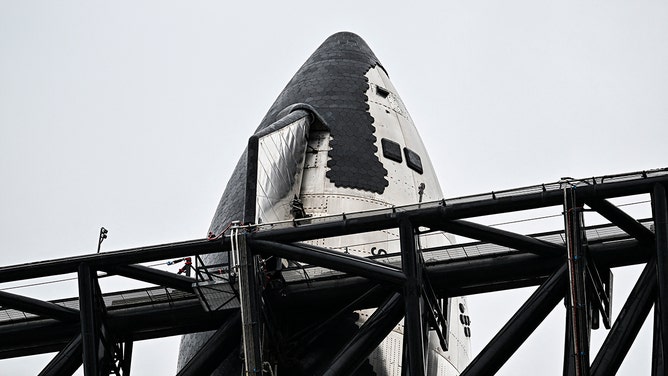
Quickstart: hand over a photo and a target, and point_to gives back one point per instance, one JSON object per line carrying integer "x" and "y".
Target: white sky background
{"x": 132, "y": 115}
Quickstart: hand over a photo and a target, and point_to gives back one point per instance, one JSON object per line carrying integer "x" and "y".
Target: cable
{"x": 48, "y": 282}
{"x": 38, "y": 283}
{"x": 558, "y": 215}
{"x": 524, "y": 220}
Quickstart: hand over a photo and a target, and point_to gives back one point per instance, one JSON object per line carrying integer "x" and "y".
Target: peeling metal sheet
{"x": 280, "y": 166}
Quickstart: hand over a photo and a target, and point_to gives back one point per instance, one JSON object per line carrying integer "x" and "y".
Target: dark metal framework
{"x": 100, "y": 334}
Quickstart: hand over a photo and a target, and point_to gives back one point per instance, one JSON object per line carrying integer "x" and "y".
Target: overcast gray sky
{"x": 131, "y": 115}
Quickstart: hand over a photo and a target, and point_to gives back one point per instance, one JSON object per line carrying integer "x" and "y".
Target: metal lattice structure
{"x": 573, "y": 263}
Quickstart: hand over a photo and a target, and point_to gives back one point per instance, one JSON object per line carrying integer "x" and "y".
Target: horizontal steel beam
{"x": 130, "y": 324}
{"x": 36, "y": 337}
{"x": 490, "y": 273}
{"x": 500, "y": 203}
{"x": 108, "y": 259}
{"x": 456, "y": 209}
{"x": 621, "y": 253}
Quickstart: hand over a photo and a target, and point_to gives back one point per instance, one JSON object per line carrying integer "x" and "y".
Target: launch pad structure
{"x": 572, "y": 263}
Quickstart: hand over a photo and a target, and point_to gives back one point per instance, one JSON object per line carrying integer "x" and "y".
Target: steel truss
{"x": 100, "y": 336}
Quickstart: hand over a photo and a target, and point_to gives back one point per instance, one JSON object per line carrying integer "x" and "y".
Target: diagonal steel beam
{"x": 414, "y": 336}
{"x": 250, "y": 302}
{"x": 154, "y": 276}
{"x": 577, "y": 298}
{"x": 126, "y": 364}
{"x": 330, "y": 259}
{"x": 370, "y": 335}
{"x": 628, "y": 323}
{"x": 520, "y": 326}
{"x": 38, "y": 307}
{"x": 600, "y": 294}
{"x": 621, "y": 219}
{"x": 91, "y": 320}
{"x": 67, "y": 361}
{"x": 223, "y": 341}
{"x": 309, "y": 335}
{"x": 497, "y": 236}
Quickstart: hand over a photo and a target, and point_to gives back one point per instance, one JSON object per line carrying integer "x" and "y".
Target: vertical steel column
{"x": 126, "y": 365}
{"x": 569, "y": 358}
{"x": 658, "y": 367}
{"x": 660, "y": 209}
{"x": 413, "y": 329}
{"x": 250, "y": 307}
{"x": 89, "y": 320}
{"x": 576, "y": 297}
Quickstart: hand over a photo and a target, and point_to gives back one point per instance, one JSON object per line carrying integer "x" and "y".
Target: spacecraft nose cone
{"x": 333, "y": 81}
{"x": 344, "y": 46}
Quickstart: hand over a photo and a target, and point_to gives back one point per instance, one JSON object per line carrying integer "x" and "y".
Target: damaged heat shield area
{"x": 280, "y": 166}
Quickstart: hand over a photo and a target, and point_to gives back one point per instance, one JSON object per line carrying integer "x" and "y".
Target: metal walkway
{"x": 299, "y": 276}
